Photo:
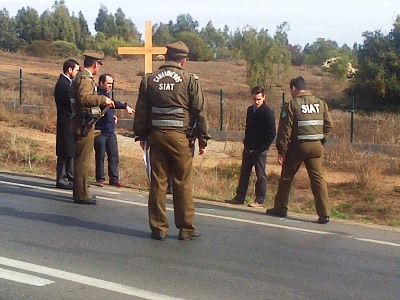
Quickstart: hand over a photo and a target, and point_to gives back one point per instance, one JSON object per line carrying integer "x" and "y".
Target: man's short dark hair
{"x": 88, "y": 62}
{"x": 299, "y": 83}
{"x": 69, "y": 63}
{"x": 257, "y": 90}
{"x": 103, "y": 77}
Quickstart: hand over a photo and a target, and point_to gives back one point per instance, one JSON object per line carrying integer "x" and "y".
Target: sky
{"x": 342, "y": 21}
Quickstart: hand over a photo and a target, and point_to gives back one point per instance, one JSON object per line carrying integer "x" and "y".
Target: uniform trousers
{"x": 170, "y": 155}
{"x": 258, "y": 160}
{"x": 107, "y": 143}
{"x": 82, "y": 158}
{"x": 309, "y": 152}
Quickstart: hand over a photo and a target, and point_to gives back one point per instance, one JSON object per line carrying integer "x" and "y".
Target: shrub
{"x": 64, "y": 49}
{"x": 39, "y": 49}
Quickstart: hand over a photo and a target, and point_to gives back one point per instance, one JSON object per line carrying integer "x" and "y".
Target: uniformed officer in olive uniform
{"x": 304, "y": 121}
{"x": 170, "y": 101}
{"x": 87, "y": 103}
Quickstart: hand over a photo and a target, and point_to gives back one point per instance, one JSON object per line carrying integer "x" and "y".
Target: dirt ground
{"x": 229, "y": 153}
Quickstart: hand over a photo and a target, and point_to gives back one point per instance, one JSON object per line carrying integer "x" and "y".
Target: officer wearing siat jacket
{"x": 303, "y": 123}
{"x": 170, "y": 101}
{"x": 87, "y": 104}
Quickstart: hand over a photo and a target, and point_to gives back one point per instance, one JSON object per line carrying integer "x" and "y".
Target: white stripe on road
{"x": 219, "y": 217}
{"x": 378, "y": 242}
{"x": 23, "y": 278}
{"x": 98, "y": 283}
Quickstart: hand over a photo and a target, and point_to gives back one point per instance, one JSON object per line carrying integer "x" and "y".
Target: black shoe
{"x": 194, "y": 235}
{"x": 68, "y": 186}
{"x": 91, "y": 201}
{"x": 273, "y": 212}
{"x": 323, "y": 220}
{"x": 234, "y": 201}
{"x": 158, "y": 237}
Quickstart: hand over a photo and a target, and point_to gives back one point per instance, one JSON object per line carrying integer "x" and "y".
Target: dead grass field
{"x": 362, "y": 186}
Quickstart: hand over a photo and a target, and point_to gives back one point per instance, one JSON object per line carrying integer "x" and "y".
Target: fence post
{"x": 20, "y": 86}
{"x": 221, "y": 95}
{"x": 283, "y": 98}
{"x": 352, "y": 120}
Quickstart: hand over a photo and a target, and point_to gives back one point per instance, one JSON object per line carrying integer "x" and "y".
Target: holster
{"x": 191, "y": 135}
{"x": 90, "y": 118}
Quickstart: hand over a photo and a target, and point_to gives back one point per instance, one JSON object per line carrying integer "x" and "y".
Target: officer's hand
{"x": 115, "y": 119}
{"x": 129, "y": 109}
{"x": 281, "y": 159}
{"x": 202, "y": 151}
{"x": 109, "y": 102}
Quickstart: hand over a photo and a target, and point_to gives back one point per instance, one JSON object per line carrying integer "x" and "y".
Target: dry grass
{"x": 361, "y": 185}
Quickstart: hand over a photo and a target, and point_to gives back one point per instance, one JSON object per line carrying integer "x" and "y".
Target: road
{"x": 52, "y": 248}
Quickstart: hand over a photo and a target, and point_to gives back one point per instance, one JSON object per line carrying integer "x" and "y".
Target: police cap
{"x": 178, "y": 48}
{"x": 94, "y": 54}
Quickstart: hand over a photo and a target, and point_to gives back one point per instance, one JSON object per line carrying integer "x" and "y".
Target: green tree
{"x": 83, "y": 38}
{"x": 256, "y": 47}
{"x": 27, "y": 24}
{"x": 340, "y": 68}
{"x": 280, "y": 51}
{"x": 215, "y": 40}
{"x": 199, "y": 50}
{"x": 184, "y": 23}
{"x": 126, "y": 30}
{"x": 318, "y": 52}
{"x": 8, "y": 37}
{"x": 161, "y": 36}
{"x": 377, "y": 81}
{"x": 47, "y": 29}
{"x": 62, "y": 22}
{"x": 296, "y": 55}
{"x": 105, "y": 23}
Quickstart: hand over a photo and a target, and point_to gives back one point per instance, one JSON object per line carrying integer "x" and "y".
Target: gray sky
{"x": 342, "y": 21}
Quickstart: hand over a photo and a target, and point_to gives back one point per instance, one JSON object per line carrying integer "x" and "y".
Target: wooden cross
{"x": 148, "y": 50}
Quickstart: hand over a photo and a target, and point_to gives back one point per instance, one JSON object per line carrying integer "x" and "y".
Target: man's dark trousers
{"x": 106, "y": 143}
{"x": 65, "y": 170}
{"x": 258, "y": 160}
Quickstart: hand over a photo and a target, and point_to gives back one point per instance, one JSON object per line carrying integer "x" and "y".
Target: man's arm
{"x": 140, "y": 122}
{"x": 199, "y": 111}
{"x": 284, "y": 128}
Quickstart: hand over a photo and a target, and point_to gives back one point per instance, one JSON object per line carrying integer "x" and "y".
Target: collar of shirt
{"x": 171, "y": 64}
{"x": 90, "y": 73}
{"x": 70, "y": 80}
{"x": 254, "y": 108}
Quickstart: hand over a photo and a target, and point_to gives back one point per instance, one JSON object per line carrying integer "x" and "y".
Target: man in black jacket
{"x": 259, "y": 134}
{"x": 65, "y": 147}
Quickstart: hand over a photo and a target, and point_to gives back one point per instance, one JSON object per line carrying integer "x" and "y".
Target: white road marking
{"x": 23, "y": 278}
{"x": 377, "y": 242}
{"x": 98, "y": 283}
{"x": 218, "y": 217}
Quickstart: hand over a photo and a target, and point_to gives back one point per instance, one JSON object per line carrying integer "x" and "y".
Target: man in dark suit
{"x": 64, "y": 139}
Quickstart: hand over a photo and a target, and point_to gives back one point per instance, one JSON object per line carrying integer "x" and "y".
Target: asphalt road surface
{"x": 52, "y": 248}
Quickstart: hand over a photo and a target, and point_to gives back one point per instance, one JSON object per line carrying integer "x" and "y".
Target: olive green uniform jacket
{"x": 305, "y": 117}
{"x": 170, "y": 100}
{"x": 85, "y": 94}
